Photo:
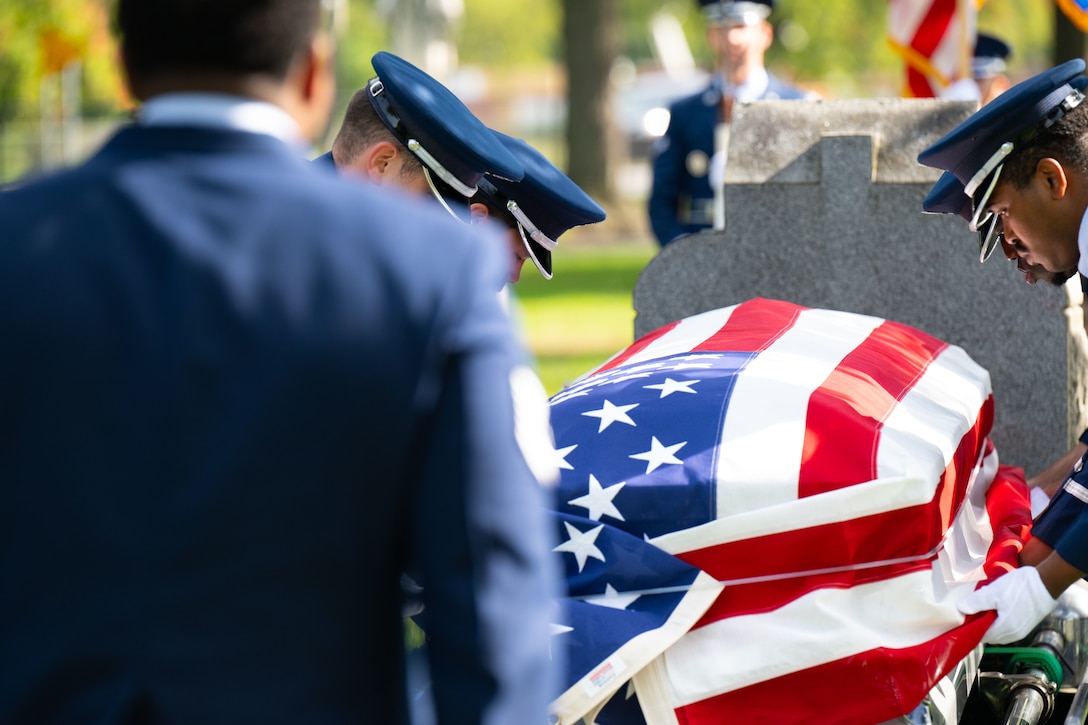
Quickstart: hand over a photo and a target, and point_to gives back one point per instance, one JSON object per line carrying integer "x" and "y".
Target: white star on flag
{"x": 610, "y": 414}
{"x": 671, "y": 386}
{"x": 613, "y": 599}
{"x": 659, "y": 455}
{"x": 581, "y": 544}
{"x": 560, "y": 457}
{"x": 560, "y": 629}
{"x": 599, "y": 500}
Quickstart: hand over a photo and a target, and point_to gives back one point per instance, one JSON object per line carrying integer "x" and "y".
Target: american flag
{"x": 768, "y": 512}
{"x": 935, "y": 39}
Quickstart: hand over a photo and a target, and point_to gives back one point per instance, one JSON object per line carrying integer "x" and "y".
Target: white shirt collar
{"x": 216, "y": 110}
{"x": 751, "y": 88}
{"x": 1082, "y": 244}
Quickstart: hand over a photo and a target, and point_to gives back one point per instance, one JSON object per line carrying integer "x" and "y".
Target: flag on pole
{"x": 935, "y": 39}
{"x": 1077, "y": 12}
{"x": 768, "y": 512}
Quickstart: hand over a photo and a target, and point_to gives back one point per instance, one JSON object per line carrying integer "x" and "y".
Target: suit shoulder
{"x": 695, "y": 102}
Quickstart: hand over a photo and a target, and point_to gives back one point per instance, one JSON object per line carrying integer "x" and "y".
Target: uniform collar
{"x": 220, "y": 111}
{"x": 751, "y": 88}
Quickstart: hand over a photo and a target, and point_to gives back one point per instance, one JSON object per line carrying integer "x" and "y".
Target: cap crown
{"x": 422, "y": 109}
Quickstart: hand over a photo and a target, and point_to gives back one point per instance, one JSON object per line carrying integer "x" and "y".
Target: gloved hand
{"x": 1021, "y": 601}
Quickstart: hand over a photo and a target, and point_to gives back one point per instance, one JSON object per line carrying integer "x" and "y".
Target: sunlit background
{"x": 522, "y": 68}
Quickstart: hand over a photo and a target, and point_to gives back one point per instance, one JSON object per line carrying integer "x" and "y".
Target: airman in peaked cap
{"x": 742, "y": 12}
{"x": 406, "y": 128}
{"x": 1017, "y": 172}
{"x": 543, "y": 205}
{"x": 1031, "y": 134}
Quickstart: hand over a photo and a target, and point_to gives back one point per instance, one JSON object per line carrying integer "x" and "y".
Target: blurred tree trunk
{"x": 590, "y": 42}
{"x": 1068, "y": 39}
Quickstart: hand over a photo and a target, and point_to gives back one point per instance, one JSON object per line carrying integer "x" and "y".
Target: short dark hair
{"x": 495, "y": 210}
{"x": 219, "y": 36}
{"x": 1066, "y": 141}
{"x": 362, "y": 128}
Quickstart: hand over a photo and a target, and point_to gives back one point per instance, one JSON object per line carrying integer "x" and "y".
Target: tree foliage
{"x": 837, "y": 47}
{"x": 37, "y": 37}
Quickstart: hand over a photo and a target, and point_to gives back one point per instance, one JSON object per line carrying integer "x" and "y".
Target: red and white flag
{"x": 827, "y": 473}
{"x": 935, "y": 39}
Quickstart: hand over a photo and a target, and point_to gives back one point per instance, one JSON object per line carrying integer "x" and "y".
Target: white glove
{"x": 1039, "y": 501}
{"x": 1021, "y": 601}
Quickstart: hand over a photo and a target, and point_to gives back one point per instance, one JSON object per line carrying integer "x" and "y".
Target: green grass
{"x": 584, "y": 314}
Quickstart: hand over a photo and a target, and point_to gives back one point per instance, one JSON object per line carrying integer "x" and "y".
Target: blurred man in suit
{"x": 241, "y": 396}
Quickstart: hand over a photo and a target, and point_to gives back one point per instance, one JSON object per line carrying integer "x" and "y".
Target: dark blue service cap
{"x": 977, "y": 147}
{"x": 947, "y": 197}
{"x": 436, "y": 126}
{"x": 989, "y": 56}
{"x": 741, "y": 12}
{"x": 546, "y": 202}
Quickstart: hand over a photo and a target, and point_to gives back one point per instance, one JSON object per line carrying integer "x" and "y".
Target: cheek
{"x": 516, "y": 246}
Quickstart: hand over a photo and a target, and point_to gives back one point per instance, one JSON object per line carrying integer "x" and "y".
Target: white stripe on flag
{"x": 923, "y": 430}
{"x": 689, "y": 333}
{"x": 904, "y": 17}
{"x": 818, "y": 628}
{"x": 843, "y": 504}
{"x": 829, "y": 624}
{"x": 763, "y": 433}
{"x": 970, "y": 536}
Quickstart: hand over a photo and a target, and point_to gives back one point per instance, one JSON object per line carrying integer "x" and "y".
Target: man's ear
{"x": 309, "y": 89}
{"x": 767, "y": 34}
{"x": 378, "y": 160}
{"x": 1053, "y": 174}
{"x": 478, "y": 212}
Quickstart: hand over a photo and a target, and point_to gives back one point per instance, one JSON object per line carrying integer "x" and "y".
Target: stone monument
{"x": 823, "y": 208}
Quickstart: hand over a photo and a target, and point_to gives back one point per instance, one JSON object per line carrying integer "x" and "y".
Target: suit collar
{"x": 220, "y": 111}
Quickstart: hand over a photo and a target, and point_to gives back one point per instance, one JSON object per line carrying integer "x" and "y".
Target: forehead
{"x": 1005, "y": 192}
{"x": 735, "y": 23}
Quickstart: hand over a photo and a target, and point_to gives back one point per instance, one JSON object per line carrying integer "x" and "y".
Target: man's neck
{"x": 738, "y": 74}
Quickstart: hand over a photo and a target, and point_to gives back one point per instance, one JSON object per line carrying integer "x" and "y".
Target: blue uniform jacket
{"x": 1063, "y": 525}
{"x": 240, "y": 396}
{"x": 680, "y": 196}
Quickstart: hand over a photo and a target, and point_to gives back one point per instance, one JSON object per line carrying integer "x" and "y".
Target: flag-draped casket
{"x": 767, "y": 514}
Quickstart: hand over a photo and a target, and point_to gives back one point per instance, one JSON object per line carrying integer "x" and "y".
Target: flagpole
{"x": 966, "y": 47}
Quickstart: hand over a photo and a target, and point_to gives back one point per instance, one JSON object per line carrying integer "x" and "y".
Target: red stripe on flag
{"x": 760, "y": 597}
{"x": 752, "y": 327}
{"x": 919, "y": 84}
{"x": 933, "y": 28}
{"x": 846, "y": 413}
{"x": 874, "y": 686}
{"x": 906, "y": 532}
{"x": 882, "y": 683}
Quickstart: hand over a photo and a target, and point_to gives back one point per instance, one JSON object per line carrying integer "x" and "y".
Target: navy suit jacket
{"x": 240, "y": 395}
{"x": 680, "y": 159}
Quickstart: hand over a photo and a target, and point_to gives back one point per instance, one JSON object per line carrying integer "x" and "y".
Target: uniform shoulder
{"x": 778, "y": 88}
{"x": 708, "y": 96}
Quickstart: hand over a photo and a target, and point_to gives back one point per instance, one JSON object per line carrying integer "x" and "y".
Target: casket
{"x": 767, "y": 513}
